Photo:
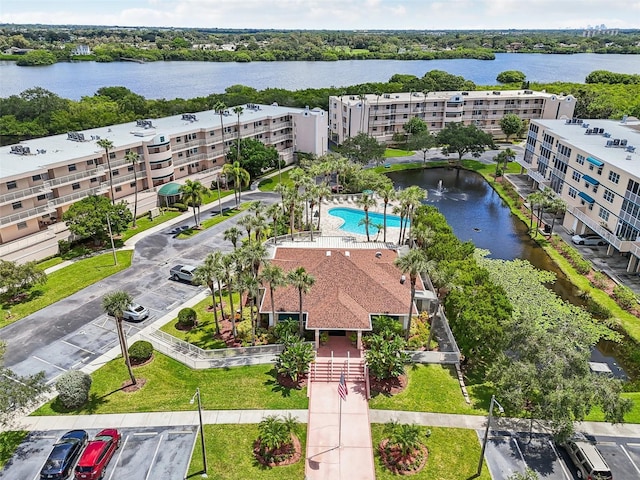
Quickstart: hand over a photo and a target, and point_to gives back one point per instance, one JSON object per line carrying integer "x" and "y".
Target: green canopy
{"x": 169, "y": 189}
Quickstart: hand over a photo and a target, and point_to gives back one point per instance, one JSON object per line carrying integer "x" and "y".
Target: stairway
{"x": 328, "y": 370}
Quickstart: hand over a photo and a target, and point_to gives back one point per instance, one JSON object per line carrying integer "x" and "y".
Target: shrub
{"x": 73, "y": 388}
{"x": 140, "y": 351}
{"x": 180, "y": 206}
{"x": 294, "y": 359}
{"x": 600, "y": 280}
{"x": 187, "y": 318}
{"x": 625, "y": 297}
{"x": 286, "y": 329}
{"x": 386, "y": 326}
{"x": 64, "y": 246}
{"x": 386, "y": 357}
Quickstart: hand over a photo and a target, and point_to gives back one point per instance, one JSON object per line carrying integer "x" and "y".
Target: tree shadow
{"x": 92, "y": 405}
{"x": 277, "y": 387}
{"x": 25, "y": 297}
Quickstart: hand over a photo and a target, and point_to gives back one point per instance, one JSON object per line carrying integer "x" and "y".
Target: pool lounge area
{"x": 351, "y": 218}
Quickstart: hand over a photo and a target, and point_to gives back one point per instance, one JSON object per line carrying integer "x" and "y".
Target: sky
{"x": 329, "y": 14}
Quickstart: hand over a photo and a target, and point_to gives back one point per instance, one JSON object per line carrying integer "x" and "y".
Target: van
{"x": 587, "y": 459}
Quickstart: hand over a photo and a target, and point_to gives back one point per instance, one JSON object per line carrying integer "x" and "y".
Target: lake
{"x": 170, "y": 80}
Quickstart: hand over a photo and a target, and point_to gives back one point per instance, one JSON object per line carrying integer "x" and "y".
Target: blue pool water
{"x": 352, "y": 217}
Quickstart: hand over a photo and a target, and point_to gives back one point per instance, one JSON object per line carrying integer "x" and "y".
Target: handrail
{"x": 315, "y": 370}
{"x": 348, "y": 358}
{"x": 331, "y": 371}
{"x": 367, "y": 390}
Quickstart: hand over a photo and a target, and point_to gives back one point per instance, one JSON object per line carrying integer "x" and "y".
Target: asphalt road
{"x": 74, "y": 331}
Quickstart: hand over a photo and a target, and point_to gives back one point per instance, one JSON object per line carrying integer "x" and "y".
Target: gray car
{"x": 135, "y": 313}
{"x": 183, "y": 272}
{"x": 588, "y": 239}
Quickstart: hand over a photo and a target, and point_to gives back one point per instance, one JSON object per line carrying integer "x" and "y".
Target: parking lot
{"x": 508, "y": 453}
{"x": 144, "y": 454}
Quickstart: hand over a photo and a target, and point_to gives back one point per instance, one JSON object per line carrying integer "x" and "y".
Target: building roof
{"x": 595, "y": 145}
{"x": 350, "y": 285}
{"x": 169, "y": 189}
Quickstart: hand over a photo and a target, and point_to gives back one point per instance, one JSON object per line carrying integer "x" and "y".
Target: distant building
{"x": 81, "y": 50}
{"x": 17, "y": 51}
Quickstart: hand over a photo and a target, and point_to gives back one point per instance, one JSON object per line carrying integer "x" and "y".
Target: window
{"x": 75, "y": 186}
{"x": 599, "y": 172}
{"x": 35, "y": 178}
{"x": 11, "y": 185}
{"x": 595, "y": 189}
{"x": 614, "y": 177}
{"x": 41, "y": 197}
{"x": 118, "y": 189}
{"x": 603, "y": 214}
{"x": 575, "y": 176}
{"x": 573, "y": 193}
{"x": 132, "y": 184}
{"x": 130, "y": 168}
{"x": 116, "y": 172}
{"x": 112, "y": 155}
{"x": 90, "y": 162}
{"x": 21, "y": 225}
{"x": 608, "y": 195}
{"x": 182, "y": 169}
{"x": 94, "y": 180}
{"x": 16, "y": 205}
{"x": 72, "y": 168}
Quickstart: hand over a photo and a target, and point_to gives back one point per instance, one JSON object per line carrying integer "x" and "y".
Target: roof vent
{"x": 378, "y": 254}
{"x": 328, "y": 253}
{"x": 347, "y": 253}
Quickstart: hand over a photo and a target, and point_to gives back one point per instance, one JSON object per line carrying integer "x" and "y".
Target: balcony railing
{"x": 120, "y": 179}
{"x": 538, "y": 177}
{"x": 618, "y": 243}
{"x": 33, "y": 212}
{"x": 56, "y": 202}
{"x": 56, "y": 182}
{"x": 27, "y": 192}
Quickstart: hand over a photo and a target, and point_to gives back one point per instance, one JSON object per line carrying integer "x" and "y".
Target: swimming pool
{"x": 352, "y": 217}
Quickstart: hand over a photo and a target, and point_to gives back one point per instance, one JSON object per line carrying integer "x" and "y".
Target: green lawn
{"x": 144, "y": 223}
{"x": 230, "y": 456}
{"x": 633, "y": 416}
{"x": 9, "y": 442}
{"x": 170, "y": 385}
{"x": 433, "y": 388}
{"x": 50, "y": 262}
{"x": 396, "y": 152}
{"x": 269, "y": 184}
{"x": 64, "y": 282}
{"x": 210, "y": 222}
{"x": 453, "y": 455}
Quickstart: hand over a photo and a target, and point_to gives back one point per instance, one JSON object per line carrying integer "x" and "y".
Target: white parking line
{"x": 153, "y": 459}
{"x": 49, "y": 363}
{"x": 143, "y": 434}
{"x": 515, "y": 440}
{"x": 119, "y": 455}
{"x": 630, "y": 459}
{"x": 564, "y": 470}
{"x": 76, "y": 346}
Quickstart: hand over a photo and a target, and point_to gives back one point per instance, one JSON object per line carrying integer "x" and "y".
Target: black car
{"x": 64, "y": 455}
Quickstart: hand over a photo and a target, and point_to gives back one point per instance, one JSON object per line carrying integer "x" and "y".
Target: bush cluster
{"x": 180, "y": 206}
{"x": 73, "y": 388}
{"x": 581, "y": 265}
{"x": 140, "y": 351}
{"x": 625, "y": 297}
{"x": 187, "y": 318}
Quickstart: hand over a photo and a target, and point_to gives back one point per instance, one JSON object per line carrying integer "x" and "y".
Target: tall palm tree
{"x": 133, "y": 157}
{"x": 228, "y": 271}
{"x": 115, "y": 304}
{"x": 233, "y": 234}
{"x": 238, "y": 111}
{"x": 253, "y": 254}
{"x": 239, "y": 176}
{"x": 366, "y": 201}
{"x": 322, "y": 191}
{"x": 193, "y": 193}
{"x": 388, "y": 193}
{"x": 274, "y": 212}
{"x": 412, "y": 198}
{"x": 557, "y": 207}
{"x": 206, "y": 274}
{"x": 274, "y": 276}
{"x": 291, "y": 199}
{"x": 220, "y": 108}
{"x": 260, "y": 225}
{"x": 303, "y": 281}
{"x": 108, "y": 145}
{"x": 247, "y": 223}
{"x": 412, "y": 263}
{"x": 252, "y": 286}
{"x": 218, "y": 274}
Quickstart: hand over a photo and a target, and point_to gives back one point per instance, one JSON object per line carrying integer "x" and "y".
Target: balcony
{"x": 538, "y": 177}
{"x": 120, "y": 179}
{"x": 57, "y": 202}
{"x": 27, "y": 192}
{"x": 619, "y": 244}
{"x": 27, "y": 214}
{"x": 190, "y": 159}
{"x": 58, "y": 181}
{"x": 176, "y": 147}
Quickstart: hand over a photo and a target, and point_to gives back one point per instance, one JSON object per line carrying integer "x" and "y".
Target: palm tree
{"x": 238, "y": 111}
{"x": 260, "y": 225}
{"x": 132, "y": 157}
{"x": 253, "y": 253}
{"x": 388, "y": 193}
{"x": 193, "y": 193}
{"x": 366, "y": 202}
{"x": 252, "y": 286}
{"x": 379, "y": 227}
{"x": 206, "y": 274}
{"x": 322, "y": 191}
{"x": 233, "y": 234}
{"x": 228, "y": 270}
{"x": 303, "y": 281}
{"x": 405, "y": 437}
{"x": 413, "y": 197}
{"x": 557, "y": 207}
{"x": 291, "y": 198}
{"x": 115, "y": 304}
{"x": 108, "y": 145}
{"x": 274, "y": 276}
{"x": 274, "y": 212}
{"x": 536, "y": 200}
{"x": 220, "y": 108}
{"x": 239, "y": 176}
{"x": 412, "y": 263}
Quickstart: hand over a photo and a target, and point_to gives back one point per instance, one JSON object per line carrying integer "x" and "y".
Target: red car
{"x": 97, "y": 454}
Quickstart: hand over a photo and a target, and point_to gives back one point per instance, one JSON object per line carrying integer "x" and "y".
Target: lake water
{"x": 198, "y": 79}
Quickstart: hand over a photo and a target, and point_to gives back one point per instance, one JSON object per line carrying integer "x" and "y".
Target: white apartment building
{"x": 381, "y": 116}
{"x": 594, "y": 166}
{"x": 41, "y": 178}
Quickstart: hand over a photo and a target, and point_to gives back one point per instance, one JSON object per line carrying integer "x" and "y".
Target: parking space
{"x": 144, "y": 454}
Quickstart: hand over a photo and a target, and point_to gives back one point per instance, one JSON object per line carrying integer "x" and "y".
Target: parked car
{"x": 135, "y": 313}
{"x": 587, "y": 458}
{"x": 64, "y": 455}
{"x": 588, "y": 239}
{"x": 97, "y": 455}
{"x": 183, "y": 272}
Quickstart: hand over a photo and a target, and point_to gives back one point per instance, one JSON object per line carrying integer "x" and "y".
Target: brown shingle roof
{"x": 348, "y": 287}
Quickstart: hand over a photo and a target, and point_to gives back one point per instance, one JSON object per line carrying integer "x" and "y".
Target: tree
{"x": 386, "y": 356}
{"x": 88, "y": 217}
{"x": 274, "y": 434}
{"x": 414, "y": 126}
{"x": 255, "y": 156}
{"x": 233, "y": 234}
{"x": 18, "y": 393}
{"x": 387, "y": 193}
{"x": 423, "y": 141}
{"x": 511, "y": 76}
{"x": 462, "y": 139}
{"x": 238, "y": 111}
{"x": 220, "y": 108}
{"x": 193, "y": 193}
{"x": 114, "y": 304}
{"x": 362, "y": 149}
{"x": 73, "y": 388}
{"x": 510, "y": 124}
{"x": 239, "y": 176}
{"x": 132, "y": 157}
{"x": 273, "y": 276}
{"x": 207, "y": 274}
{"x": 227, "y": 270}
{"x": 413, "y": 263}
{"x": 17, "y": 278}
{"x": 108, "y": 146}
{"x": 405, "y": 437}
{"x": 366, "y": 202}
{"x": 295, "y": 358}
{"x": 503, "y": 158}
{"x": 303, "y": 281}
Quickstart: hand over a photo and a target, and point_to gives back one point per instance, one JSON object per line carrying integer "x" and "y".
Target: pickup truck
{"x": 183, "y": 272}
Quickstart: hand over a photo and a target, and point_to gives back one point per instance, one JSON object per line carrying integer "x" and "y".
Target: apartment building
{"x": 383, "y": 115}
{"x": 41, "y": 178}
{"x": 594, "y": 166}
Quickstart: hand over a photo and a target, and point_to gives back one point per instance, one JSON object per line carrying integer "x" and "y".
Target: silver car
{"x": 588, "y": 239}
{"x": 135, "y": 313}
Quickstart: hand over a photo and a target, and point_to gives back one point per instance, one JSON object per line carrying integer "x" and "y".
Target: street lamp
{"x": 113, "y": 247}
{"x": 219, "y": 199}
{"x": 204, "y": 452}
{"x": 279, "y": 168}
{"x": 486, "y": 431}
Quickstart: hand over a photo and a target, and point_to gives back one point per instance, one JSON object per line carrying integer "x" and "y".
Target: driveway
{"x": 144, "y": 454}
{"x": 74, "y": 331}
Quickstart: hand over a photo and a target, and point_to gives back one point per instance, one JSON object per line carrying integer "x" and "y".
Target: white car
{"x": 590, "y": 239}
{"x": 135, "y": 313}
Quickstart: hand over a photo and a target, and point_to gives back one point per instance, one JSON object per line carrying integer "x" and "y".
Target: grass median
{"x": 63, "y": 283}
{"x": 9, "y": 443}
{"x": 210, "y": 222}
